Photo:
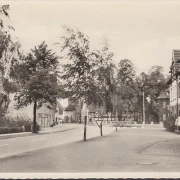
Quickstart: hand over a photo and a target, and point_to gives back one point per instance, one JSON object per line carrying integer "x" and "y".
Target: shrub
{"x": 4, "y": 130}
{"x": 24, "y": 121}
{"x": 15, "y": 122}
{"x": 16, "y": 129}
{"x": 27, "y": 128}
{"x": 169, "y": 124}
{"x": 7, "y": 130}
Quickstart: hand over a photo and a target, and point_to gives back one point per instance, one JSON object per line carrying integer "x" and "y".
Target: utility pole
{"x": 143, "y": 108}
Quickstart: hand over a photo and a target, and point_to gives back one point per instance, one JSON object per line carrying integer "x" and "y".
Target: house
{"x": 45, "y": 115}
{"x": 174, "y": 84}
{"x": 72, "y": 113}
{"x": 163, "y": 105}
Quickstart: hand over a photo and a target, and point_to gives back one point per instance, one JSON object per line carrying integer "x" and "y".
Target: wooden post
{"x": 85, "y": 121}
{"x": 101, "y": 129}
{"x": 34, "y": 120}
{"x": 116, "y": 120}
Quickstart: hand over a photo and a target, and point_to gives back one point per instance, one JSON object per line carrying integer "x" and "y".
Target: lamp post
{"x": 143, "y": 107}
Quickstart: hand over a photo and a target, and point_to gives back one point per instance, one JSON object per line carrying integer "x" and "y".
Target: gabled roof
{"x": 70, "y": 107}
{"x": 163, "y": 95}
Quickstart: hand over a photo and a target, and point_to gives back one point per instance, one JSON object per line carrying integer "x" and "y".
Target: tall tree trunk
{"x": 101, "y": 129}
{"x": 85, "y": 121}
{"x": 34, "y": 117}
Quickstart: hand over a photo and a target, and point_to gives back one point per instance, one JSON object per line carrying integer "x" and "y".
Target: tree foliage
{"x": 79, "y": 74}
{"x": 153, "y": 83}
{"x": 125, "y": 86}
{"x": 105, "y": 75}
{"x": 9, "y": 52}
{"x": 38, "y": 75}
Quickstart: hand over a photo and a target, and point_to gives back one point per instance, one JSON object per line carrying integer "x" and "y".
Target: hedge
{"x": 169, "y": 124}
{"x": 7, "y": 130}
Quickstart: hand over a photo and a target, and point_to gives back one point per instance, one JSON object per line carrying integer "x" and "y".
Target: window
{"x": 164, "y": 104}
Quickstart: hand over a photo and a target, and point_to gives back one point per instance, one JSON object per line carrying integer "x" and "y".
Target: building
{"x": 72, "y": 112}
{"x": 163, "y": 105}
{"x": 174, "y": 84}
{"x": 45, "y": 116}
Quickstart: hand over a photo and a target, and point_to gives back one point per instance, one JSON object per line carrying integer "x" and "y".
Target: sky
{"x": 145, "y": 32}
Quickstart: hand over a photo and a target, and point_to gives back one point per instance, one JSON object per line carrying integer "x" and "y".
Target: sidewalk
{"x": 47, "y": 130}
{"x": 59, "y": 128}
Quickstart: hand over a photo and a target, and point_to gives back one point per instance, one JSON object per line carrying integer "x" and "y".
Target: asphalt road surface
{"x": 128, "y": 150}
{"x": 14, "y": 146}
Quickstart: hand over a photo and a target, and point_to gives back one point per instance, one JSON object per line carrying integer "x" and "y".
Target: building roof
{"x": 176, "y": 54}
{"x": 70, "y": 107}
{"x": 163, "y": 95}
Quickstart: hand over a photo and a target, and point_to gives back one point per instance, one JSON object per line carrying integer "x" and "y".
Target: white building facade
{"x": 174, "y": 84}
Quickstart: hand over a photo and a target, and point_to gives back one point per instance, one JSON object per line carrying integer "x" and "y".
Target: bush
{"x": 15, "y": 122}
{"x": 23, "y": 121}
{"x": 27, "y": 128}
{"x": 169, "y": 124}
{"x": 16, "y": 129}
{"x": 7, "y": 130}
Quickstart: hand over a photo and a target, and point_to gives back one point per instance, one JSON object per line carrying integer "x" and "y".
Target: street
{"x": 127, "y": 150}
{"x": 14, "y": 146}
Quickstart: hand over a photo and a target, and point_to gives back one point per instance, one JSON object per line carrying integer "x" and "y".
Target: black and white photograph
{"x": 89, "y": 89}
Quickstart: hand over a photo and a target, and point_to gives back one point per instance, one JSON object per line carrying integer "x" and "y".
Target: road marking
{"x": 38, "y": 139}
{"x": 4, "y": 145}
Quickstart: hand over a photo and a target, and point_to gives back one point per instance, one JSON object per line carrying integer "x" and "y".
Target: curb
{"x": 55, "y": 131}
{"x": 14, "y": 135}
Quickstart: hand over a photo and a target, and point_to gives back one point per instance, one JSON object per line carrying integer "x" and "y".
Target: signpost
{"x": 99, "y": 121}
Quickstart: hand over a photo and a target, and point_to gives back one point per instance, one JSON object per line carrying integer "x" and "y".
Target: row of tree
{"x": 41, "y": 78}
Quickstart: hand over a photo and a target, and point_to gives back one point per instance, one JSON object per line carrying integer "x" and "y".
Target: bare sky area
{"x": 143, "y": 31}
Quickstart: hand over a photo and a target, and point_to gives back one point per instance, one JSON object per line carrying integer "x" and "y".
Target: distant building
{"x": 163, "y": 102}
{"x": 72, "y": 112}
{"x": 174, "y": 84}
{"x": 45, "y": 116}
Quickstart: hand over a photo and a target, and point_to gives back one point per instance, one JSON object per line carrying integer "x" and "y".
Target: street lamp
{"x": 144, "y": 117}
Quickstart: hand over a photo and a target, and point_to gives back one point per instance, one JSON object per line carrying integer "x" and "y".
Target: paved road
{"x": 128, "y": 150}
{"x": 14, "y": 146}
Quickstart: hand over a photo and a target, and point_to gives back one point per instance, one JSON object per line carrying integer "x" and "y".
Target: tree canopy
{"x": 38, "y": 75}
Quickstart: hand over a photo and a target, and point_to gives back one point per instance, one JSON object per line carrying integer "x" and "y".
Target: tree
{"x": 153, "y": 84}
{"x": 9, "y": 52}
{"x": 105, "y": 75}
{"x": 38, "y": 77}
{"x": 81, "y": 73}
{"x": 125, "y": 86}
